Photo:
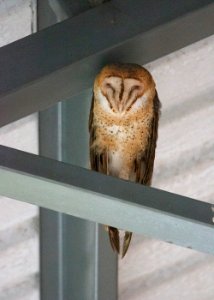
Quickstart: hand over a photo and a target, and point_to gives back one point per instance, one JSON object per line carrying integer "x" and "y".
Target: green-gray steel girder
{"x": 90, "y": 195}
{"x": 61, "y": 61}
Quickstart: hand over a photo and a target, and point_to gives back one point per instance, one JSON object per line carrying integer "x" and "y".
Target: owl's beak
{"x": 120, "y": 107}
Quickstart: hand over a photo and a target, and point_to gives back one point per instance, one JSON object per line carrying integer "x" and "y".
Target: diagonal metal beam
{"x": 62, "y": 60}
{"x": 104, "y": 199}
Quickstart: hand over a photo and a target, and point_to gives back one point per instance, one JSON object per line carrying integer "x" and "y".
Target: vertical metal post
{"x": 76, "y": 259}
{"x": 51, "y": 223}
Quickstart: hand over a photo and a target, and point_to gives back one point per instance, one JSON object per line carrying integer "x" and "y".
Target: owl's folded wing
{"x": 145, "y": 161}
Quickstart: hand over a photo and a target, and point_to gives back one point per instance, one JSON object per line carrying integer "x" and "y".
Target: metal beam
{"x": 62, "y": 60}
{"x": 52, "y": 267}
{"x": 107, "y": 200}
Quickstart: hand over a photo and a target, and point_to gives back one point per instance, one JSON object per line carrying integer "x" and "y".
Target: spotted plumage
{"x": 123, "y": 126}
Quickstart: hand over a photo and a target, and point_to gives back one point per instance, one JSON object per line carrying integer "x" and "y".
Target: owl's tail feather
{"x": 126, "y": 242}
{"x": 114, "y": 237}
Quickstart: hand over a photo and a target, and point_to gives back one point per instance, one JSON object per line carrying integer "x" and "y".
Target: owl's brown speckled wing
{"x": 99, "y": 161}
{"x": 145, "y": 161}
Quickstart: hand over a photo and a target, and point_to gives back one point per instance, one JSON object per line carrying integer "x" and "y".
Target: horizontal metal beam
{"x": 107, "y": 200}
{"x": 62, "y": 60}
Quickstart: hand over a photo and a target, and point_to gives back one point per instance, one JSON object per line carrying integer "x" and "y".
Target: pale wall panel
{"x": 154, "y": 270}
{"x": 19, "y": 242}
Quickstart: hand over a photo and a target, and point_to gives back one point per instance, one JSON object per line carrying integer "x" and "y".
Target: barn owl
{"x": 123, "y": 126}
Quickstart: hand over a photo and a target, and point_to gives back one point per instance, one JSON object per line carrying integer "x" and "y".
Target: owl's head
{"x": 123, "y": 88}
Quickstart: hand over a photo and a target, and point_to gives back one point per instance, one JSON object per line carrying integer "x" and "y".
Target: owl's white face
{"x": 117, "y": 95}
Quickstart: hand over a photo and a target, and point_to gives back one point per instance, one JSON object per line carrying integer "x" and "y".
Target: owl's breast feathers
{"x": 123, "y": 138}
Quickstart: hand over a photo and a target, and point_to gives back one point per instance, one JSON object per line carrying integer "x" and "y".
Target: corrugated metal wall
{"x": 154, "y": 270}
{"x": 184, "y": 164}
{"x": 19, "y": 248}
